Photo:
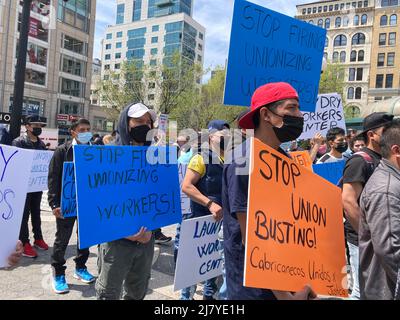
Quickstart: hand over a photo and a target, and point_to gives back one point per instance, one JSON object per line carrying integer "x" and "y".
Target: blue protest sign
{"x": 68, "y": 191}
{"x": 266, "y": 47}
{"x": 121, "y": 189}
{"x": 332, "y": 172}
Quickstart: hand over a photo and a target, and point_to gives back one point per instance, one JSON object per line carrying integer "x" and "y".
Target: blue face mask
{"x": 84, "y": 137}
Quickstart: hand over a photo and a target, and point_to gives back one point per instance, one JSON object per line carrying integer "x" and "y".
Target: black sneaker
{"x": 161, "y": 238}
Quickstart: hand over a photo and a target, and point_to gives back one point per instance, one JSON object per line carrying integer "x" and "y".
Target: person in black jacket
{"x": 31, "y": 140}
{"x": 80, "y": 132}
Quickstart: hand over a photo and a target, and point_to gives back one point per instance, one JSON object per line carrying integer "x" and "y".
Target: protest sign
{"x": 121, "y": 189}
{"x": 39, "y": 171}
{"x": 294, "y": 227}
{"x": 68, "y": 191}
{"x": 198, "y": 255}
{"x": 185, "y": 200}
{"x": 266, "y": 47}
{"x": 15, "y": 166}
{"x": 302, "y": 158}
{"x": 328, "y": 114}
{"x": 331, "y": 172}
{"x": 163, "y": 123}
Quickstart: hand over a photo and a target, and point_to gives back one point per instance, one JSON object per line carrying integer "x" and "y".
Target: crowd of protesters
{"x": 370, "y": 196}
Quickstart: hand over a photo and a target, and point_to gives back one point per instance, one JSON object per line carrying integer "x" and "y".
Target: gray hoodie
{"x": 123, "y": 136}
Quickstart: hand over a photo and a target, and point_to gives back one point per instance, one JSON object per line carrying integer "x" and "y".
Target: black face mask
{"x": 139, "y": 134}
{"x": 342, "y": 147}
{"x": 292, "y": 128}
{"x": 37, "y": 132}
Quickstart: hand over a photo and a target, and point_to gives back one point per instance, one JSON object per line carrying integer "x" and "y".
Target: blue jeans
{"x": 354, "y": 262}
{"x": 210, "y": 286}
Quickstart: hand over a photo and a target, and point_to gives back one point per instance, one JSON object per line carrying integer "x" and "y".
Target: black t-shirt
{"x": 357, "y": 169}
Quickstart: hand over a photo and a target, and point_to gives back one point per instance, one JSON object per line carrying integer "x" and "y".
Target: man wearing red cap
{"x": 276, "y": 118}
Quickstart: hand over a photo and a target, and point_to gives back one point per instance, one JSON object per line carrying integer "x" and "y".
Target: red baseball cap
{"x": 264, "y": 95}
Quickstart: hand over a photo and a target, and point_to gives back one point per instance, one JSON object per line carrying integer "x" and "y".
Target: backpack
{"x": 367, "y": 158}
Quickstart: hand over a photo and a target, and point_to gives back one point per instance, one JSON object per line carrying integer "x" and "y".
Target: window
{"x": 382, "y": 39}
{"x": 335, "y": 57}
{"x": 343, "y": 56}
{"x": 358, "y": 93}
{"x": 136, "y": 33}
{"x": 389, "y": 81}
{"x": 358, "y": 38}
{"x": 118, "y": 45}
{"x": 325, "y": 8}
{"x": 384, "y": 21}
{"x": 320, "y": 23}
{"x": 311, "y": 22}
{"x": 356, "y": 21}
{"x": 119, "y": 34}
{"x": 359, "y": 4}
{"x": 36, "y": 54}
{"x": 365, "y": 3}
{"x": 75, "y": 13}
{"x": 72, "y": 88}
{"x": 340, "y": 40}
{"x": 330, "y": 8}
{"x": 69, "y": 107}
{"x": 117, "y": 66}
{"x": 361, "y": 55}
{"x": 392, "y": 38}
{"x": 201, "y": 47}
{"x": 154, "y": 40}
{"x": 364, "y": 19}
{"x": 152, "y": 85}
{"x": 118, "y": 55}
{"x": 107, "y": 57}
{"x": 390, "y": 59}
{"x": 336, "y": 7}
{"x": 338, "y": 22}
{"x": 314, "y": 10}
{"x": 393, "y": 20}
{"x": 107, "y": 67}
{"x": 304, "y": 11}
{"x": 319, "y": 9}
{"x": 199, "y": 58}
{"x": 201, "y": 36}
{"x": 74, "y": 45}
{"x": 155, "y": 28}
{"x": 153, "y": 51}
{"x": 120, "y": 13}
{"x": 346, "y": 21}
{"x": 327, "y": 23}
{"x": 379, "y": 81}
{"x": 389, "y": 3}
{"x": 353, "y": 56}
{"x": 35, "y": 77}
{"x": 381, "y": 60}
{"x": 153, "y": 62}
{"x": 106, "y": 77}
{"x": 359, "y": 74}
{"x": 352, "y": 74}
{"x": 309, "y": 10}
{"x": 350, "y": 93}
{"x": 109, "y": 36}
{"x": 151, "y": 97}
{"x": 354, "y": 4}
{"x": 73, "y": 66}
{"x": 108, "y": 46}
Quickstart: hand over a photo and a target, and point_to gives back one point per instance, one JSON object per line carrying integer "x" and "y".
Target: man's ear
{"x": 264, "y": 115}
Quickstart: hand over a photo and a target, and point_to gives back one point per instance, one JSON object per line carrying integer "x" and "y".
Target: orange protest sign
{"x": 303, "y": 158}
{"x": 294, "y": 227}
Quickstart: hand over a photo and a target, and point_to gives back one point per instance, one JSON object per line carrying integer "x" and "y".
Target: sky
{"x": 214, "y": 15}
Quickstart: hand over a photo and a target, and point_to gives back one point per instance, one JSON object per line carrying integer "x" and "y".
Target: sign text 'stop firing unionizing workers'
{"x": 266, "y": 47}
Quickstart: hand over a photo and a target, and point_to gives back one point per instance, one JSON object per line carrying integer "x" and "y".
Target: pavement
{"x": 32, "y": 279}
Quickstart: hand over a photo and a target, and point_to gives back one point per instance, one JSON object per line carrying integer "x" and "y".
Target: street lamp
{"x": 19, "y": 82}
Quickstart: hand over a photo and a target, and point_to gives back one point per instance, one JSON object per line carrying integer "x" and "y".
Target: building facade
{"x": 150, "y": 32}
{"x": 59, "y": 59}
{"x": 385, "y": 55}
{"x": 349, "y": 41}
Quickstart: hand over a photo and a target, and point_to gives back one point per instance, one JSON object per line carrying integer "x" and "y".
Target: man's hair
{"x": 390, "y": 137}
{"x": 272, "y": 106}
{"x": 332, "y": 133}
{"x": 79, "y": 122}
{"x": 360, "y": 137}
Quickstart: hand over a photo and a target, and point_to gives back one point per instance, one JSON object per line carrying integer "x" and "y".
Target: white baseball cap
{"x": 139, "y": 109}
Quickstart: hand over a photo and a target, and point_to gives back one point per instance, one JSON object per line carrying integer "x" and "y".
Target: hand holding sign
{"x": 294, "y": 227}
